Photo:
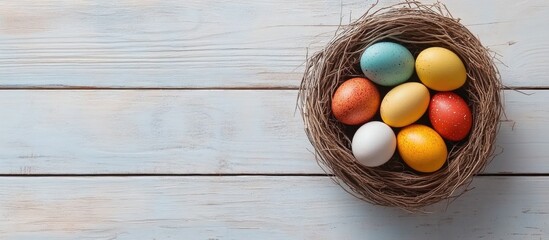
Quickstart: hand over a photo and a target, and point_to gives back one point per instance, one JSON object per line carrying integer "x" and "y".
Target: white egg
{"x": 374, "y": 143}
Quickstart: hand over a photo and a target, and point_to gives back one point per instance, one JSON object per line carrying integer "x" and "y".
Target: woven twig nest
{"x": 417, "y": 27}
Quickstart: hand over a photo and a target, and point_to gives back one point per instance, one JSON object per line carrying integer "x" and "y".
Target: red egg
{"x": 450, "y": 116}
{"x": 356, "y": 101}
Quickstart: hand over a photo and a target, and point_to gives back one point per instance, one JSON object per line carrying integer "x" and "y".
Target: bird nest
{"x": 416, "y": 26}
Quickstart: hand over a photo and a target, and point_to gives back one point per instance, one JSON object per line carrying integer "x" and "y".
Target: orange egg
{"x": 356, "y": 101}
{"x": 421, "y": 148}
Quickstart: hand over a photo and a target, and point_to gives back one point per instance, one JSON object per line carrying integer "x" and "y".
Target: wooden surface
{"x": 203, "y": 131}
{"x": 220, "y": 43}
{"x": 258, "y": 207}
{"x": 151, "y": 119}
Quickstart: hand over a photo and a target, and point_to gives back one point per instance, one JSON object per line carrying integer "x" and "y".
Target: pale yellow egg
{"x": 404, "y": 104}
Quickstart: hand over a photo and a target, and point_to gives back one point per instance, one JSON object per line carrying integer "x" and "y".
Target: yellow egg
{"x": 421, "y": 148}
{"x": 404, "y": 104}
{"x": 440, "y": 69}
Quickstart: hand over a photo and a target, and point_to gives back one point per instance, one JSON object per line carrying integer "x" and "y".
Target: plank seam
{"x": 148, "y": 88}
{"x": 239, "y": 175}
{"x": 524, "y": 88}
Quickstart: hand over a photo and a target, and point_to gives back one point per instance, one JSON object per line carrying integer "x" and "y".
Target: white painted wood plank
{"x": 218, "y": 43}
{"x": 258, "y": 208}
{"x": 206, "y": 131}
{"x": 136, "y": 131}
{"x": 522, "y": 139}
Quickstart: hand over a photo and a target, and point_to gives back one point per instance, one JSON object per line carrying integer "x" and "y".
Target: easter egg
{"x": 421, "y": 148}
{"x": 440, "y": 69}
{"x": 355, "y": 101}
{"x": 404, "y": 104}
{"x": 387, "y": 63}
{"x": 374, "y": 143}
{"x": 450, "y": 116}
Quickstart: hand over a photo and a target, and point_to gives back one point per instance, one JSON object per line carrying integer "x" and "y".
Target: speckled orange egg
{"x": 450, "y": 116}
{"x": 421, "y": 148}
{"x": 356, "y": 101}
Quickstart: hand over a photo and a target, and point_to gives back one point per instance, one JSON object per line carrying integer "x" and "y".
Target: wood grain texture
{"x": 227, "y": 44}
{"x": 258, "y": 208}
{"x": 219, "y": 43}
{"x": 202, "y": 131}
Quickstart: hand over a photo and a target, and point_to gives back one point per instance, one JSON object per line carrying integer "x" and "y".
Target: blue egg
{"x": 387, "y": 63}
